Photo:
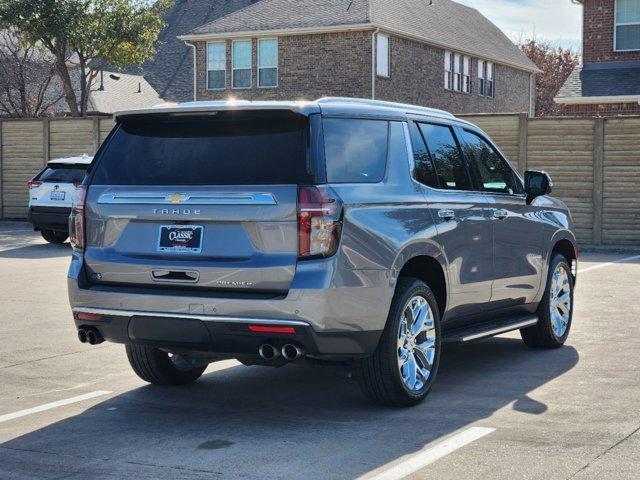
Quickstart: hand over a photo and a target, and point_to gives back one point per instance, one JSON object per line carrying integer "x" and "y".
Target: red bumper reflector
{"x": 88, "y": 316}
{"x": 268, "y": 329}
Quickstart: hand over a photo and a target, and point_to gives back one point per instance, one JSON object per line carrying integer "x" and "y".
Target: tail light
{"x": 77, "y": 220}
{"x": 319, "y": 222}
{"x": 33, "y": 184}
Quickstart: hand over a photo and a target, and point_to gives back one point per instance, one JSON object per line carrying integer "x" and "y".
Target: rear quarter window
{"x": 355, "y": 150}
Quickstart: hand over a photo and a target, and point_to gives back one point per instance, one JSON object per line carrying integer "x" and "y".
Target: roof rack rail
{"x": 384, "y": 103}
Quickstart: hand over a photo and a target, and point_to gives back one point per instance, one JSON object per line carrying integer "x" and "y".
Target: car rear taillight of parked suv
{"x": 319, "y": 222}
{"x": 77, "y": 220}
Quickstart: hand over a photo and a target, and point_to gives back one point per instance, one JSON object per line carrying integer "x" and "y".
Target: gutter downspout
{"x": 532, "y": 95}
{"x": 195, "y": 83}
{"x": 373, "y": 63}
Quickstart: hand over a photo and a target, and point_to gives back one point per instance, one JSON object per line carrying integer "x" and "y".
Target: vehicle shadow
{"x": 35, "y": 251}
{"x": 297, "y": 422}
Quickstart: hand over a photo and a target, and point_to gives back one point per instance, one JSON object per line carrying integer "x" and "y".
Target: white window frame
{"x": 490, "y": 90}
{"x": 457, "y": 75}
{"x": 233, "y": 69}
{"x": 466, "y": 74}
{"x": 222, "y": 42}
{"x": 615, "y": 30}
{"x": 482, "y": 84}
{"x": 273, "y": 66}
{"x": 383, "y": 60}
{"x": 448, "y": 70}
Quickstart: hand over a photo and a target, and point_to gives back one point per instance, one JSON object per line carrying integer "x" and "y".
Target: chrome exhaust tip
{"x": 91, "y": 337}
{"x": 268, "y": 352}
{"x": 94, "y": 337}
{"x": 291, "y": 352}
{"x": 82, "y": 335}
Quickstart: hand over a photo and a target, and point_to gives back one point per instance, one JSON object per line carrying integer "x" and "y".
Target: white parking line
{"x": 428, "y": 456}
{"x": 602, "y": 265}
{"x": 49, "y": 406}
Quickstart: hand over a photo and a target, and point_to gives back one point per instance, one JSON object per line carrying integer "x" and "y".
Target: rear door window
{"x": 492, "y": 172}
{"x": 423, "y": 168}
{"x": 62, "y": 174}
{"x": 226, "y": 148}
{"x": 450, "y": 168}
{"x": 355, "y": 149}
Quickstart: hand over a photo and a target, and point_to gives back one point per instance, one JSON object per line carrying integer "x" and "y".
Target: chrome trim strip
{"x": 177, "y": 199}
{"x": 527, "y": 322}
{"x": 503, "y": 329}
{"x": 204, "y": 318}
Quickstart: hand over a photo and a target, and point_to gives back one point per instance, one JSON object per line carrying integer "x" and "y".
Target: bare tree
{"x": 26, "y": 77}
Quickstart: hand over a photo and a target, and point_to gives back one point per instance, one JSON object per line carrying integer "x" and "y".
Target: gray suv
{"x": 338, "y": 230}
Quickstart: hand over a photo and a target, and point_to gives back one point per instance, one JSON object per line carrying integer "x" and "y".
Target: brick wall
{"x": 601, "y": 110}
{"x": 598, "y": 28}
{"x": 417, "y": 77}
{"x": 339, "y": 64}
{"x": 307, "y": 68}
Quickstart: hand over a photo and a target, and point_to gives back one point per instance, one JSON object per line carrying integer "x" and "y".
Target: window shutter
{"x": 382, "y": 55}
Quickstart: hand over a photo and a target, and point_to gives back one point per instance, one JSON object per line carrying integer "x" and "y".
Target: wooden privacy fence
{"x": 27, "y": 145}
{"x": 595, "y": 163}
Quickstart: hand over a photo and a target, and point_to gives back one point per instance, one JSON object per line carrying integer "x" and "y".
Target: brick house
{"x": 608, "y": 81}
{"x": 436, "y": 53}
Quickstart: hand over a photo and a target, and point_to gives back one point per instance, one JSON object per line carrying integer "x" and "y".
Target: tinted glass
{"x": 355, "y": 150}
{"x": 227, "y": 149}
{"x": 492, "y": 171}
{"x": 423, "y": 170}
{"x": 450, "y": 168}
{"x": 62, "y": 174}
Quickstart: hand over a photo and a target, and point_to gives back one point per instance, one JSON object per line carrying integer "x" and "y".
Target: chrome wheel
{"x": 560, "y": 301}
{"x": 416, "y": 343}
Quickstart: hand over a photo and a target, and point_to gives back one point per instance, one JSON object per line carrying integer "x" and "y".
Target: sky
{"x": 558, "y": 21}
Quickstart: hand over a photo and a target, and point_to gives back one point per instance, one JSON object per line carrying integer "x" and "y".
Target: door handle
{"x": 446, "y": 214}
{"x": 500, "y": 214}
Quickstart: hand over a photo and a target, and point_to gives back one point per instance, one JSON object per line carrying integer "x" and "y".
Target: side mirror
{"x": 537, "y": 184}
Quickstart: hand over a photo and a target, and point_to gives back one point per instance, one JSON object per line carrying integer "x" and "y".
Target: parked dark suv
{"x": 334, "y": 230}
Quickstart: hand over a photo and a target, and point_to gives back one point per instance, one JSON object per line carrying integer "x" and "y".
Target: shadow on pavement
{"x": 297, "y": 422}
{"x": 34, "y": 251}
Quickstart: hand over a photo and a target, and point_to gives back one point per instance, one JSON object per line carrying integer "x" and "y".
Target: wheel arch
{"x": 425, "y": 262}
{"x": 566, "y": 246}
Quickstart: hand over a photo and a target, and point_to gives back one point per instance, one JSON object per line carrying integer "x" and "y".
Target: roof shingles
{"x": 443, "y": 23}
{"x": 602, "y": 82}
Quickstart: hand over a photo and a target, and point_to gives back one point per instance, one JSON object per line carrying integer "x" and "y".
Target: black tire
{"x": 541, "y": 335}
{"x": 54, "y": 236}
{"x": 379, "y": 375}
{"x": 154, "y": 366}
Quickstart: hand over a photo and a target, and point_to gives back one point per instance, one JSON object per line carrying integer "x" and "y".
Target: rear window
{"x": 228, "y": 148}
{"x": 62, "y": 174}
{"x": 355, "y": 150}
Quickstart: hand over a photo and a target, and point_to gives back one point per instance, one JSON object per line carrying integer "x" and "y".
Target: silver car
{"x": 335, "y": 230}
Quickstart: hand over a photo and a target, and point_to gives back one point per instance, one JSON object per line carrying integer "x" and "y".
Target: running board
{"x": 484, "y": 330}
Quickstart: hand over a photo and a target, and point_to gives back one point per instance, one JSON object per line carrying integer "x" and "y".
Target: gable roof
{"x": 443, "y": 23}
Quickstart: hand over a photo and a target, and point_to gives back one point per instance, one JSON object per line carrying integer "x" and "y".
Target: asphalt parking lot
{"x": 498, "y": 410}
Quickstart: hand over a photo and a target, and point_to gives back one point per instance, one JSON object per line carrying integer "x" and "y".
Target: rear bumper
{"x": 222, "y": 335}
{"x": 328, "y": 319}
{"x": 49, "y": 218}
